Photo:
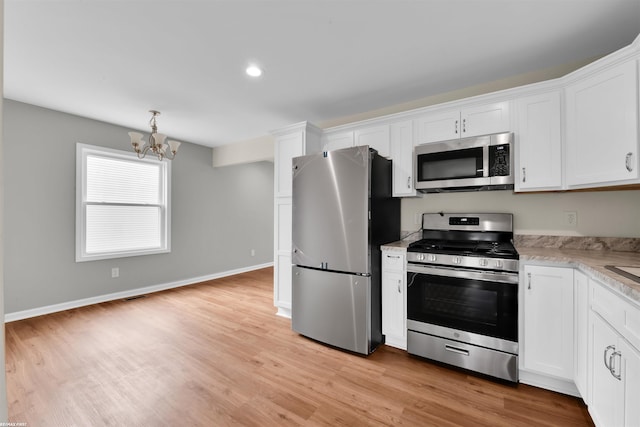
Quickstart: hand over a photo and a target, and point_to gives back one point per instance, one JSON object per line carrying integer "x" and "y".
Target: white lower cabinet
{"x": 615, "y": 364}
{"x": 581, "y": 333}
{"x": 548, "y": 321}
{"x": 394, "y": 300}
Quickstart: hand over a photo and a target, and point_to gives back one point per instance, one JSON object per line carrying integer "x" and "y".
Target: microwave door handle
{"x": 485, "y": 161}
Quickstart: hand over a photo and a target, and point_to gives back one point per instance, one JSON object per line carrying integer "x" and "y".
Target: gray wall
{"x": 600, "y": 213}
{"x": 218, "y": 214}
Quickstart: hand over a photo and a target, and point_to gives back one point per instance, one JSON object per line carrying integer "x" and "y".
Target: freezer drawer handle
{"x": 456, "y": 350}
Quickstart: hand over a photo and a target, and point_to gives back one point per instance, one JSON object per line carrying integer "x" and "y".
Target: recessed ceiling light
{"x": 254, "y": 71}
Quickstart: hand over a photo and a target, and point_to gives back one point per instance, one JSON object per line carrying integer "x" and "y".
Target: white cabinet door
{"x": 548, "y": 321}
{"x": 286, "y": 148}
{"x": 602, "y": 128}
{"x": 337, "y": 141}
{"x": 439, "y": 126}
{"x": 282, "y": 265}
{"x": 402, "y": 159}
{"x": 539, "y": 143}
{"x": 393, "y": 316}
{"x": 470, "y": 121}
{"x": 376, "y": 137}
{"x": 485, "y": 119}
{"x": 631, "y": 379}
{"x": 394, "y": 301}
{"x": 581, "y": 333}
{"x": 606, "y": 393}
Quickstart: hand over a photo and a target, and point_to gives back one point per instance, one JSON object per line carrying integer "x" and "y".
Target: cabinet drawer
{"x": 393, "y": 261}
{"x": 622, "y": 315}
{"x": 607, "y": 305}
{"x": 631, "y": 325}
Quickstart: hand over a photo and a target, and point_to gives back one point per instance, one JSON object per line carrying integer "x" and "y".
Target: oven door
{"x": 482, "y": 303}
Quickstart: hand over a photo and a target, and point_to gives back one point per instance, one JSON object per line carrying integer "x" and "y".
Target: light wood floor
{"x": 215, "y": 354}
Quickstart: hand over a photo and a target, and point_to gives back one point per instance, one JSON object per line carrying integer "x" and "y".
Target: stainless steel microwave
{"x": 467, "y": 164}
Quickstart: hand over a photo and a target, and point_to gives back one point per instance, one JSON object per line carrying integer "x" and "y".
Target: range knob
{"x": 432, "y": 258}
{"x": 457, "y": 260}
{"x": 484, "y": 262}
{"x": 498, "y": 264}
{"x": 420, "y": 257}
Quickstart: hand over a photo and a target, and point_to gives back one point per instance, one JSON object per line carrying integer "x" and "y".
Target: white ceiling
{"x": 323, "y": 59}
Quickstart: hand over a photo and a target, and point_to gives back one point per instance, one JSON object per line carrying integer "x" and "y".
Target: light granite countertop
{"x": 592, "y": 262}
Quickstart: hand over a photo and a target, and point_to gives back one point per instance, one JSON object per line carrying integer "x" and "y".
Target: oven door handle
{"x": 489, "y": 276}
{"x": 456, "y": 350}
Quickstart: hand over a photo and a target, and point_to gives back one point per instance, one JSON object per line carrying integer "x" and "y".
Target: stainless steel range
{"x": 462, "y": 297}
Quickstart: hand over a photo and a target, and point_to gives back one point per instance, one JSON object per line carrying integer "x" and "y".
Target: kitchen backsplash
{"x": 574, "y": 242}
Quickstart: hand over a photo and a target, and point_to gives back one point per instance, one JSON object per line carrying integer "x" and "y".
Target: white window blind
{"x": 122, "y": 204}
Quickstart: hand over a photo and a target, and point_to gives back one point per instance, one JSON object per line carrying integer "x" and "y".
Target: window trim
{"x": 82, "y": 151}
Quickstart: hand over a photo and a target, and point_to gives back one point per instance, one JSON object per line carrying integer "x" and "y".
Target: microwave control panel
{"x": 499, "y": 160}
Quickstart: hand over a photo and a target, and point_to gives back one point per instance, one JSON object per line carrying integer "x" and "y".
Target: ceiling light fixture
{"x": 156, "y": 142}
{"x": 253, "y": 71}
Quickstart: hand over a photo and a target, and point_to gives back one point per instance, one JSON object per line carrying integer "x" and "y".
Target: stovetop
{"x": 465, "y": 248}
{"x": 466, "y": 241}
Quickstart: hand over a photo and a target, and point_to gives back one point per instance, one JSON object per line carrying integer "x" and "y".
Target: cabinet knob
{"x": 627, "y": 161}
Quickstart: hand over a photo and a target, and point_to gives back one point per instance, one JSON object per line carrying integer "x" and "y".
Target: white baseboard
{"x": 549, "y": 383}
{"x": 25, "y": 314}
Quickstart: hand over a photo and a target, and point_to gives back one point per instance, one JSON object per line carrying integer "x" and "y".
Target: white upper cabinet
{"x": 460, "y": 123}
{"x": 538, "y": 143}
{"x": 485, "y": 119}
{"x": 337, "y": 141}
{"x": 402, "y": 155}
{"x": 602, "y": 128}
{"x": 440, "y": 126}
{"x": 376, "y": 137}
{"x": 286, "y": 148}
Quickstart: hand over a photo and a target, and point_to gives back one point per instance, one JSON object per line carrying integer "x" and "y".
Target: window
{"x": 122, "y": 204}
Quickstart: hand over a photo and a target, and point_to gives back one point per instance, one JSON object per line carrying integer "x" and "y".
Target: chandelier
{"x": 155, "y": 144}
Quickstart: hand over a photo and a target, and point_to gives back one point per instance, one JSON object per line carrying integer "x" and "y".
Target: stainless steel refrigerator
{"x": 342, "y": 212}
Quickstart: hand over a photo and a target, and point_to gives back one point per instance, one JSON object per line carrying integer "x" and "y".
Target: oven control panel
{"x": 464, "y": 261}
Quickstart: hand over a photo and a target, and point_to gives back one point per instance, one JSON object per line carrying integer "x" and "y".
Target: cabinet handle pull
{"x": 456, "y": 127}
{"x": 409, "y": 182}
{"x": 607, "y": 360}
{"x": 529, "y": 280}
{"x": 399, "y": 288}
{"x": 393, "y": 256}
{"x": 464, "y": 125}
{"x": 524, "y": 174}
{"x": 627, "y": 161}
{"x": 617, "y": 376}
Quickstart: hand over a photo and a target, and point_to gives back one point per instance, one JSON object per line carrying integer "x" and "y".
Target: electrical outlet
{"x": 571, "y": 218}
{"x": 115, "y": 272}
{"x": 416, "y": 219}
{"x": 253, "y": 252}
